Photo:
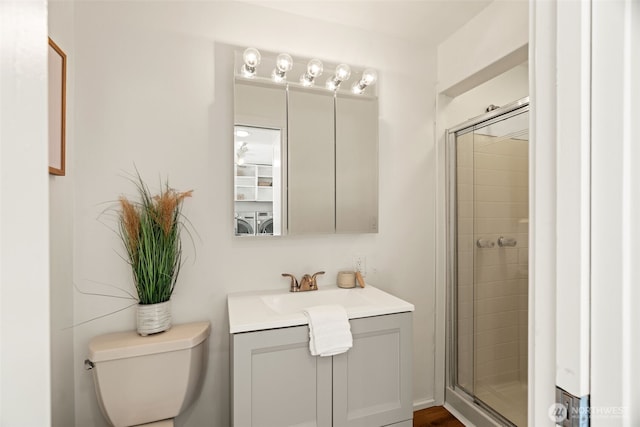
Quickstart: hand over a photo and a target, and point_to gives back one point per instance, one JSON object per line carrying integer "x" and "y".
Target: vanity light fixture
{"x": 369, "y": 77}
{"x": 314, "y": 69}
{"x": 343, "y": 72}
{"x": 251, "y": 58}
{"x": 284, "y": 64}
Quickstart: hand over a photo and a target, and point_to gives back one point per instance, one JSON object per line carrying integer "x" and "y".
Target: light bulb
{"x": 284, "y": 62}
{"x": 242, "y": 133}
{"x": 331, "y": 84}
{"x": 251, "y": 57}
{"x": 343, "y": 72}
{"x": 369, "y": 76}
{"x": 306, "y": 80}
{"x": 314, "y": 68}
{"x": 277, "y": 76}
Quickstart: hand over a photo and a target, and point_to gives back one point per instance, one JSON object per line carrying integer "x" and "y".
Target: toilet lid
{"x": 121, "y": 345}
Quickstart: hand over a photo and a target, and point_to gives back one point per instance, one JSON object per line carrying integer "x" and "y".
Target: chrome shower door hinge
{"x": 570, "y": 410}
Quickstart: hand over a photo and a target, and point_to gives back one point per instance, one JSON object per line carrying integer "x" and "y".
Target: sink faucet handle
{"x": 314, "y": 284}
{"x": 295, "y": 287}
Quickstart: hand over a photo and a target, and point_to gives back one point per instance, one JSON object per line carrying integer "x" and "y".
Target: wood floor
{"x": 435, "y": 416}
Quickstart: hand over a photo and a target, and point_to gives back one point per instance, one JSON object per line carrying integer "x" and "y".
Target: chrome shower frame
{"x": 460, "y": 399}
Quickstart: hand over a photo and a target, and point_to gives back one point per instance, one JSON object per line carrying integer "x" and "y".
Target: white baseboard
{"x": 423, "y": 404}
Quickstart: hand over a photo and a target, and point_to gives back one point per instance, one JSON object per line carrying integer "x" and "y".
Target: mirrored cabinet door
{"x": 311, "y": 161}
{"x": 259, "y": 135}
{"x": 356, "y": 164}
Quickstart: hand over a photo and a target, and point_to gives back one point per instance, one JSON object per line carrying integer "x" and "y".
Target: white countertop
{"x": 259, "y": 310}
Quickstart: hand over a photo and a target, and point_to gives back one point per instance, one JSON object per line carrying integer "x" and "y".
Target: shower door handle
{"x": 484, "y": 243}
{"x": 507, "y": 242}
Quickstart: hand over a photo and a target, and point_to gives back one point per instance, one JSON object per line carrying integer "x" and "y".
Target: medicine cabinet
{"x": 316, "y": 150}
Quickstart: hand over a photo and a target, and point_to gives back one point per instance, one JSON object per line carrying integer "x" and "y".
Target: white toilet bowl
{"x": 149, "y": 380}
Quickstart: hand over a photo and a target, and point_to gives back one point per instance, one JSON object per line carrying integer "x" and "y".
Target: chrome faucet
{"x": 307, "y": 283}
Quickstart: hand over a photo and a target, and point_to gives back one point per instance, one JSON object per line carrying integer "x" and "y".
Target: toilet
{"x": 149, "y": 380}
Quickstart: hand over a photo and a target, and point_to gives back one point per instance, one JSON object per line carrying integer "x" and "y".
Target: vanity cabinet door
{"x": 276, "y": 382}
{"x": 372, "y": 381}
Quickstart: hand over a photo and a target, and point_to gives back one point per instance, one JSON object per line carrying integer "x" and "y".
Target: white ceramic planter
{"x": 154, "y": 318}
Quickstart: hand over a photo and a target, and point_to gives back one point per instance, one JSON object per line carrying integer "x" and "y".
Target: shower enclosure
{"x": 488, "y": 193}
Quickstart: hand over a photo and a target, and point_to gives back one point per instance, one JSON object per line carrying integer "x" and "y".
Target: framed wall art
{"x": 57, "y": 108}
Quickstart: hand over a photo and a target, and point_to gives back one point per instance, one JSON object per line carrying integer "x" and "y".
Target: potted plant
{"x": 150, "y": 230}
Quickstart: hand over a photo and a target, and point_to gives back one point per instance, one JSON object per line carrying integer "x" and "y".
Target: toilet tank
{"x": 140, "y": 380}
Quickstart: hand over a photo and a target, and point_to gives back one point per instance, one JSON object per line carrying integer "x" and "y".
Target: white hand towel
{"x": 329, "y": 330}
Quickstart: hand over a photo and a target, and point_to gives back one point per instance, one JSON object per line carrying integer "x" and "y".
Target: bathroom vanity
{"x": 276, "y": 382}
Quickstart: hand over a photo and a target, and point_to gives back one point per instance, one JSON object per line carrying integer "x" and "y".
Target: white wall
{"x": 153, "y": 88}
{"x": 61, "y": 211}
{"x": 24, "y": 249}
{"x": 492, "y": 42}
{"x": 501, "y": 90}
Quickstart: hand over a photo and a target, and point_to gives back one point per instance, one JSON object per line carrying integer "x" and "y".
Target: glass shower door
{"x": 491, "y": 196}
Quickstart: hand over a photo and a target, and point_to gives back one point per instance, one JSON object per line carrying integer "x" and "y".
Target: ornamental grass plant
{"x": 150, "y": 231}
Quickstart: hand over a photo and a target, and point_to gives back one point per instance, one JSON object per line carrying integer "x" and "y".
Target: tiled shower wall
{"x": 492, "y": 198}
{"x": 501, "y": 209}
